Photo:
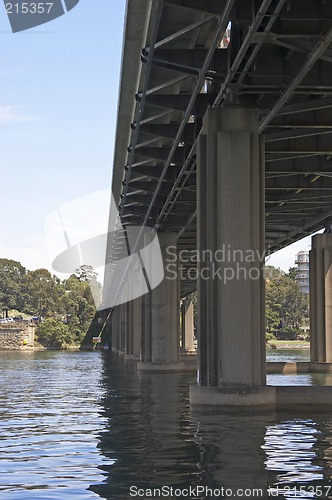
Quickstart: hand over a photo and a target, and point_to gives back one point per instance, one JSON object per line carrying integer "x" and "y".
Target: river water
{"x": 85, "y": 425}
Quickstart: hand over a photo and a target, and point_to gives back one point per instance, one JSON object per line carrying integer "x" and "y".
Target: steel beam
{"x": 215, "y": 7}
{"x": 314, "y": 55}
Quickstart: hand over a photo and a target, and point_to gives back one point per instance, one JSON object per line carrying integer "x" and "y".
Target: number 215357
{"x": 29, "y": 8}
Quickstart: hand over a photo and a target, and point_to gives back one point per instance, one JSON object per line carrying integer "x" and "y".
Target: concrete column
{"x": 124, "y": 308}
{"x": 115, "y": 328}
{"x": 136, "y": 326}
{"x": 132, "y": 298}
{"x": 134, "y": 329}
{"x": 121, "y": 314}
{"x": 187, "y": 325}
{"x": 129, "y": 347}
{"x": 160, "y": 342}
{"x": 231, "y": 302}
{"x": 146, "y": 332}
{"x": 320, "y": 259}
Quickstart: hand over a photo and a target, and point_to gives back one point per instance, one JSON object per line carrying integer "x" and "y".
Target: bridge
{"x": 223, "y": 147}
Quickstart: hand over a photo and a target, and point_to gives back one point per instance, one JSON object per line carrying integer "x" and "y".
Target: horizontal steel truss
{"x": 257, "y": 69}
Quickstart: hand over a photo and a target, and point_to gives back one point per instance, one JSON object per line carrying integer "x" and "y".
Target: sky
{"x": 284, "y": 259}
{"x": 58, "y": 107}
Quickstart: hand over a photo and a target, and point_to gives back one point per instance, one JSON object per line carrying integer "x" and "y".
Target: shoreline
{"x": 286, "y": 346}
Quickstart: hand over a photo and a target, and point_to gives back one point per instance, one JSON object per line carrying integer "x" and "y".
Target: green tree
{"x": 79, "y": 306}
{"x": 292, "y": 273}
{"x": 54, "y": 333}
{"x": 286, "y": 305}
{"x": 68, "y": 306}
{"x": 87, "y": 274}
{"x": 44, "y": 292}
{"x": 12, "y": 280}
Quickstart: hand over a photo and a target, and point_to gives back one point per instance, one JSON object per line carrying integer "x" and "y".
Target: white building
{"x": 302, "y": 275}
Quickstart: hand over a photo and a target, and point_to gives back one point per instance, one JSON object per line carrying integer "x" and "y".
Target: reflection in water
{"x": 86, "y": 425}
{"x": 49, "y": 424}
{"x": 300, "y": 379}
{"x": 323, "y": 450}
{"x": 148, "y": 431}
{"x": 290, "y": 449}
{"x": 290, "y": 355}
{"x": 158, "y": 441}
{"x": 232, "y": 453}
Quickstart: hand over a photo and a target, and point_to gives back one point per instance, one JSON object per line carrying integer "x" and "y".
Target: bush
{"x": 54, "y": 333}
{"x": 269, "y": 337}
{"x": 288, "y": 333}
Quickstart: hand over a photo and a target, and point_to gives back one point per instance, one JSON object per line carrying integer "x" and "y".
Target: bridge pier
{"x": 124, "y": 328}
{"x": 231, "y": 308}
{"x": 134, "y": 329}
{"x": 321, "y": 299}
{"x": 160, "y": 332}
{"x": 133, "y": 347}
{"x": 187, "y": 325}
{"x": 115, "y": 329}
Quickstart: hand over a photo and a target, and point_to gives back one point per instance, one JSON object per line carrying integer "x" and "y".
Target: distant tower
{"x": 302, "y": 274}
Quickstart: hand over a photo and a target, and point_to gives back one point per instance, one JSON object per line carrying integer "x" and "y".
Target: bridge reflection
{"x": 153, "y": 439}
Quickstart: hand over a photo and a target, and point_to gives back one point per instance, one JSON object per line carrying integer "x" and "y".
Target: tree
{"x": 286, "y": 305}
{"x": 54, "y": 333}
{"x": 88, "y": 274}
{"x": 69, "y": 304}
{"x": 292, "y": 273}
{"x": 79, "y": 306}
{"x": 44, "y": 291}
{"x": 12, "y": 279}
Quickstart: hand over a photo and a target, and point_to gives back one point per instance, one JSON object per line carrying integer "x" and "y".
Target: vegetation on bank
{"x": 67, "y": 306}
{"x": 287, "y": 308}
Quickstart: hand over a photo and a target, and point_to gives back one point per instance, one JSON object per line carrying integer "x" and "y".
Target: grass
{"x": 290, "y": 344}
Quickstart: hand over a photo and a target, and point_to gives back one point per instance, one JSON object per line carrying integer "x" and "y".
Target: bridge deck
{"x": 177, "y": 62}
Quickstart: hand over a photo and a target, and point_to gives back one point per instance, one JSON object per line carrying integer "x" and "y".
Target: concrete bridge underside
{"x": 223, "y": 141}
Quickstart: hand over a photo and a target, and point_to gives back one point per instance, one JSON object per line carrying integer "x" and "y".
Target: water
{"x": 288, "y": 355}
{"x": 85, "y": 425}
{"x": 283, "y": 355}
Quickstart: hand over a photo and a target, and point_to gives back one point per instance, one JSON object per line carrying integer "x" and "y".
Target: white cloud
{"x": 11, "y": 114}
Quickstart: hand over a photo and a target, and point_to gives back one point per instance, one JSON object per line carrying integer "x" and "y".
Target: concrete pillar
{"x": 320, "y": 261}
{"x": 231, "y": 301}
{"x": 134, "y": 328}
{"x": 129, "y": 347}
{"x": 124, "y": 313}
{"x": 146, "y": 340}
{"x": 115, "y": 328}
{"x": 122, "y": 321}
{"x": 160, "y": 340}
{"x": 187, "y": 325}
{"x": 132, "y": 297}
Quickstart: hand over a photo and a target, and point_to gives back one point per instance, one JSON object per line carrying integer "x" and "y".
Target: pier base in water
{"x": 268, "y": 398}
{"x": 160, "y": 367}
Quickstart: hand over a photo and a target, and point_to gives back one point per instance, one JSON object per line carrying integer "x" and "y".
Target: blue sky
{"x": 58, "y": 105}
{"x": 286, "y": 258}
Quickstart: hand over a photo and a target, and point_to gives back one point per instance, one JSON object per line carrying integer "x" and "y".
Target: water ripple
{"x": 86, "y": 425}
